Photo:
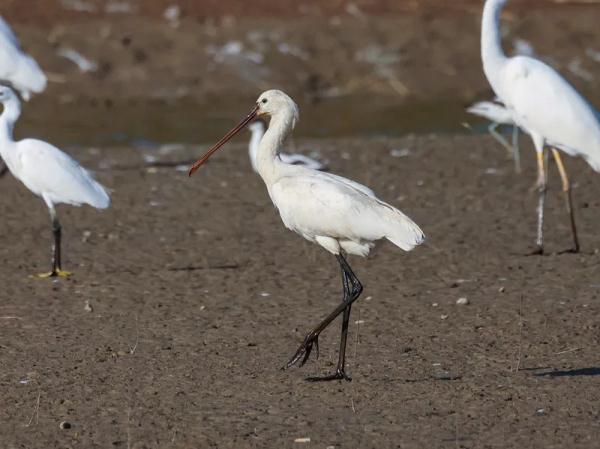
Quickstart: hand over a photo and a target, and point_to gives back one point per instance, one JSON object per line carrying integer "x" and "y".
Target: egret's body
{"x": 18, "y": 68}
{"x": 336, "y": 213}
{"x": 498, "y": 115}
{"x": 46, "y": 171}
{"x": 257, "y": 128}
{"x": 543, "y": 104}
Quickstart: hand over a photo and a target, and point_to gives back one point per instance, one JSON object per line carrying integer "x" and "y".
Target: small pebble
{"x": 443, "y": 317}
{"x": 302, "y": 440}
{"x": 501, "y": 290}
{"x": 435, "y": 304}
{"x": 462, "y": 301}
{"x": 540, "y": 412}
{"x": 87, "y": 306}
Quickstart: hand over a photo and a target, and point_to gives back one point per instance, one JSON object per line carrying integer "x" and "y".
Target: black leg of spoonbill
{"x": 354, "y": 289}
{"x": 566, "y": 186}
{"x": 340, "y": 371}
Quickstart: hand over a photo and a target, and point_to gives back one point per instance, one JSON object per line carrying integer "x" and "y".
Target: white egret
{"x": 18, "y": 68}
{"x": 336, "y": 213}
{"x": 498, "y": 115}
{"x": 544, "y": 105}
{"x": 47, "y": 172}
{"x": 258, "y": 128}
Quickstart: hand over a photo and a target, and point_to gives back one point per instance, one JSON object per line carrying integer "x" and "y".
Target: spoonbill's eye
{"x": 264, "y": 100}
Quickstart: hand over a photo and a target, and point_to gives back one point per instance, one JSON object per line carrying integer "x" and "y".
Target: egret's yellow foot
{"x": 56, "y": 273}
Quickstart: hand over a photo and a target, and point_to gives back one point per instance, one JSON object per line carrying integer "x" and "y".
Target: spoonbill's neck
{"x": 491, "y": 43}
{"x": 268, "y": 163}
{"x": 10, "y": 114}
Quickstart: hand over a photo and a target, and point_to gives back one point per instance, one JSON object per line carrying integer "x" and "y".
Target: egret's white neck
{"x": 10, "y": 114}
{"x": 491, "y": 43}
{"x": 268, "y": 163}
{"x": 258, "y": 131}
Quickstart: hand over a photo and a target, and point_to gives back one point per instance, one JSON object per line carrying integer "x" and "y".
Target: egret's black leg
{"x": 3, "y": 168}
{"x": 566, "y": 186}
{"x": 541, "y": 187}
{"x": 516, "y": 149}
{"x": 56, "y": 248}
{"x": 352, "y": 290}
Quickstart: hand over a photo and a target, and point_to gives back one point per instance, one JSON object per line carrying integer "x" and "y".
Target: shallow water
{"x": 156, "y": 123}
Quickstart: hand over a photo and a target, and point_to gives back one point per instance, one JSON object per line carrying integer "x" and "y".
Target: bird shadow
{"x": 592, "y": 371}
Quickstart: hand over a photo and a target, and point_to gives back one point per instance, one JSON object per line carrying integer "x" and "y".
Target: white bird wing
{"x": 16, "y": 67}
{"x": 49, "y": 172}
{"x": 7, "y": 33}
{"x": 544, "y": 103}
{"x": 314, "y": 205}
{"x": 492, "y": 111}
{"x": 300, "y": 159}
{"x": 353, "y": 184}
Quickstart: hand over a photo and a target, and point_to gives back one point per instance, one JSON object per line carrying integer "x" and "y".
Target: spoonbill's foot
{"x": 339, "y": 374}
{"x": 304, "y": 351}
{"x": 56, "y": 273}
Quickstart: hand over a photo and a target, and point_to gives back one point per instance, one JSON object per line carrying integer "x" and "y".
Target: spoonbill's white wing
{"x": 344, "y": 213}
{"x": 50, "y": 173}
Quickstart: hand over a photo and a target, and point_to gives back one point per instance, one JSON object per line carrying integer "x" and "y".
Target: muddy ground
{"x": 189, "y": 295}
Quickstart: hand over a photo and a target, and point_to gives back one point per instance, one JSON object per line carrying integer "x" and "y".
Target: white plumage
{"x": 543, "y": 104}
{"x": 326, "y": 209}
{"x": 338, "y": 214}
{"x": 46, "y": 171}
{"x": 498, "y": 115}
{"x": 494, "y": 112}
{"x": 257, "y": 128}
{"x": 18, "y": 68}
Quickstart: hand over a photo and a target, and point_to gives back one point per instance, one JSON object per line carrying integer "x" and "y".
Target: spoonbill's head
{"x": 7, "y": 94}
{"x": 275, "y": 103}
{"x": 272, "y": 103}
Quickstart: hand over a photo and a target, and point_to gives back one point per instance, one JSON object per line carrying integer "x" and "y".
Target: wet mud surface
{"x": 189, "y": 295}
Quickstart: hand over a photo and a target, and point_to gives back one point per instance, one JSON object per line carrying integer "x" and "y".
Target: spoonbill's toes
{"x": 339, "y": 374}
{"x": 304, "y": 351}
{"x": 56, "y": 273}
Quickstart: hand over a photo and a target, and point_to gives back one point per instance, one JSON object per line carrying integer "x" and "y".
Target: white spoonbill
{"x": 498, "y": 115}
{"x": 336, "y": 213}
{"x": 18, "y": 68}
{"x": 545, "y": 106}
{"x": 47, "y": 172}
{"x": 258, "y": 128}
